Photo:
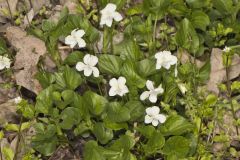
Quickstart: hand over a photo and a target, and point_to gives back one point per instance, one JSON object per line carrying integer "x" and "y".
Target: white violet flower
{"x": 88, "y": 66}
{"x": 108, "y": 14}
{"x": 165, "y": 59}
{"x": 118, "y": 86}
{"x": 76, "y": 38}
{"x": 4, "y": 62}
{"x": 17, "y": 100}
{"x": 153, "y": 116}
{"x": 152, "y": 93}
{"x": 227, "y": 49}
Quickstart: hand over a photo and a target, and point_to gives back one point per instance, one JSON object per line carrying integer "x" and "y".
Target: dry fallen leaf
{"x": 185, "y": 57}
{"x": 8, "y": 113}
{"x": 37, "y": 5}
{"x": 4, "y": 7}
{"x": 218, "y": 72}
{"x": 29, "y": 49}
{"x": 28, "y": 18}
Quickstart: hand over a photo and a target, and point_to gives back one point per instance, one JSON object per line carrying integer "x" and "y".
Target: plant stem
{"x": 229, "y": 92}
{"x": 154, "y": 33}
{"x": 18, "y": 140}
{"x": 111, "y": 38}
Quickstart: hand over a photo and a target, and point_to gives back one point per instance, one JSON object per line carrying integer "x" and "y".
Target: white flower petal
{"x": 80, "y": 66}
{"x": 158, "y": 55}
{"x": 112, "y": 92}
{"x": 113, "y": 82}
{"x": 123, "y": 90}
{"x": 81, "y": 43}
{"x": 155, "y": 122}
{"x": 121, "y": 81}
{"x": 108, "y": 22}
{"x": 17, "y": 100}
{"x": 161, "y": 118}
{"x": 158, "y": 66}
{"x": 94, "y": 60}
{"x": 159, "y": 90}
{"x": 87, "y": 59}
{"x": 4, "y": 62}
{"x": 144, "y": 95}
{"x": 95, "y": 72}
{"x": 149, "y": 85}
{"x": 155, "y": 110}
{"x": 167, "y": 66}
{"x": 69, "y": 40}
{"x": 151, "y": 111}
{"x": 117, "y": 16}
{"x": 79, "y": 33}
{"x": 73, "y": 32}
{"x": 87, "y": 71}
{"x": 148, "y": 119}
{"x": 153, "y": 98}
{"x": 110, "y": 7}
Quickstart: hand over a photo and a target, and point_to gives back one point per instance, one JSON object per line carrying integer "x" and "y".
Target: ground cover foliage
{"x": 134, "y": 84}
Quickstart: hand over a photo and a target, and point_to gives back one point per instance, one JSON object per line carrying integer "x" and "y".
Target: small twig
{"x": 64, "y": 47}
{"x": 10, "y": 12}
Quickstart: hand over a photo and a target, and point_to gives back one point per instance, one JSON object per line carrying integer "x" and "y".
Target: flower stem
{"x": 111, "y": 38}
{"x": 154, "y": 33}
{"x": 229, "y": 92}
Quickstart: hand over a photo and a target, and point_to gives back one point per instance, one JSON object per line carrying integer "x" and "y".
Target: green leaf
{"x": 200, "y": 20}
{"x": 70, "y": 117}
{"x": 198, "y": 3}
{"x": 103, "y": 135}
{"x": 73, "y": 58}
{"x": 94, "y": 102}
{"x": 48, "y": 25}
{"x": 211, "y": 100}
{"x": 114, "y": 126}
{"x": 177, "y": 145}
{"x": 204, "y": 72}
{"x": 147, "y": 67}
{"x": 124, "y": 142}
{"x": 12, "y": 127}
{"x": 118, "y": 113}
{"x": 72, "y": 78}
{"x": 25, "y": 125}
{"x": 224, "y": 7}
{"x": 3, "y": 47}
{"x": 92, "y": 151}
{"x": 45, "y": 141}
{"x": 176, "y": 125}
{"x": 146, "y": 131}
{"x": 156, "y": 7}
{"x": 44, "y": 101}
{"x": 81, "y": 128}
{"x": 155, "y": 143}
{"x": 67, "y": 96}
{"x": 8, "y": 153}
{"x": 110, "y": 64}
{"x": 186, "y": 36}
{"x": 78, "y": 102}
{"x": 136, "y": 109}
{"x": 133, "y": 78}
{"x": 128, "y": 49}
{"x": 45, "y": 78}
{"x": 1, "y": 135}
